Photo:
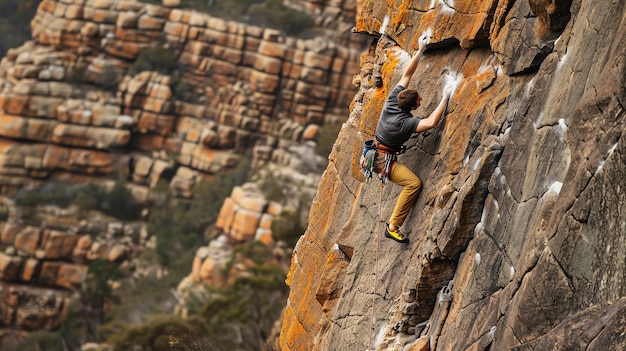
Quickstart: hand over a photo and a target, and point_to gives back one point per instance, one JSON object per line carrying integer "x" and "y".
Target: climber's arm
{"x": 433, "y": 119}
{"x": 410, "y": 69}
{"x": 412, "y": 66}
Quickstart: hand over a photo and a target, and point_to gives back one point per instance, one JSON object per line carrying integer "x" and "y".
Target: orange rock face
{"x": 513, "y": 236}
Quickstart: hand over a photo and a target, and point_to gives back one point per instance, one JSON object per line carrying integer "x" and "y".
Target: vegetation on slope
{"x": 15, "y": 16}
{"x": 137, "y": 313}
{"x": 264, "y": 13}
{"x": 117, "y": 202}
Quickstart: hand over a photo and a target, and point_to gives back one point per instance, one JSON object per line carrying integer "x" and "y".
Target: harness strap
{"x": 389, "y": 161}
{"x": 388, "y": 150}
{"x": 368, "y": 160}
{"x": 391, "y": 156}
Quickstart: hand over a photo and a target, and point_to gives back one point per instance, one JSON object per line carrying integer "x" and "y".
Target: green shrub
{"x": 97, "y": 292}
{"x": 110, "y": 78}
{"x": 272, "y": 13}
{"x": 99, "y": 273}
{"x": 248, "y": 307}
{"x": 182, "y": 90}
{"x": 76, "y": 74}
{"x": 265, "y": 13}
{"x": 271, "y": 189}
{"x": 179, "y": 224}
{"x": 155, "y": 58}
{"x": 288, "y": 227}
{"x": 326, "y": 137}
{"x": 4, "y": 213}
{"x": 255, "y": 251}
{"x": 51, "y": 193}
{"x": 38, "y": 340}
{"x": 118, "y": 202}
{"x": 87, "y": 200}
{"x": 227, "y": 9}
{"x": 168, "y": 333}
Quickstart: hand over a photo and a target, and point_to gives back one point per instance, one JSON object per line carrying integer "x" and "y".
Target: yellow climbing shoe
{"x": 396, "y": 235}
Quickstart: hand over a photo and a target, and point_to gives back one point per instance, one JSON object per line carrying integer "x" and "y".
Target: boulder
{"x": 10, "y": 267}
{"x": 71, "y": 276}
{"x": 245, "y": 224}
{"x": 27, "y": 240}
{"x": 59, "y": 245}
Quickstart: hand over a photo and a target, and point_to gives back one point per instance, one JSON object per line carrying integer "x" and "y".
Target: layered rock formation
{"x": 82, "y": 102}
{"x": 74, "y": 96}
{"x": 518, "y": 235}
{"x": 247, "y": 215}
{"x": 40, "y": 268}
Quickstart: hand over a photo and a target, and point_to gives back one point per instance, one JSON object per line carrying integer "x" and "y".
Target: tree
{"x": 97, "y": 294}
{"x": 168, "y": 333}
{"x": 246, "y": 310}
{"x": 15, "y": 17}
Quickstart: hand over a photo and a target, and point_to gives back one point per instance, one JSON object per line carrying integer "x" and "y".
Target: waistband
{"x": 382, "y": 148}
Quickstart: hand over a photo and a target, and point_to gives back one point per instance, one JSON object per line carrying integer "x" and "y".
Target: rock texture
{"x": 247, "y": 216}
{"x": 40, "y": 268}
{"x": 76, "y": 106}
{"x": 73, "y": 103}
{"x": 518, "y": 236}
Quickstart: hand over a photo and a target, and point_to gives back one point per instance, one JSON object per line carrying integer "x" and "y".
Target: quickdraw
{"x": 389, "y": 160}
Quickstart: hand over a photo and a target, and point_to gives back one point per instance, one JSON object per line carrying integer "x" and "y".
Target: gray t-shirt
{"x": 395, "y": 126}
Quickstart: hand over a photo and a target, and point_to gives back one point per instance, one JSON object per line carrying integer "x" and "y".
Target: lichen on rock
{"x": 519, "y": 213}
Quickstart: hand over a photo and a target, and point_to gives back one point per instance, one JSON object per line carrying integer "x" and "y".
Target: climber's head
{"x": 409, "y": 100}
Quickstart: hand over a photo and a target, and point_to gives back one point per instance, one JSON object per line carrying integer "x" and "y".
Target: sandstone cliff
{"x": 518, "y": 236}
{"x": 72, "y": 105}
{"x": 77, "y": 105}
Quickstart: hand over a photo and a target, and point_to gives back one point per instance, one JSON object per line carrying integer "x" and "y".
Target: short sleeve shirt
{"x": 395, "y": 126}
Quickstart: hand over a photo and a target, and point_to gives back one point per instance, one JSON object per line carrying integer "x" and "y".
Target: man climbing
{"x": 395, "y": 126}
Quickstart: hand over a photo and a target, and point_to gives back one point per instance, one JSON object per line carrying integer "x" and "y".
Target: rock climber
{"x": 395, "y": 126}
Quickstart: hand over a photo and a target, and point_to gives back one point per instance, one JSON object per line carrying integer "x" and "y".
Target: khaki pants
{"x": 411, "y": 186}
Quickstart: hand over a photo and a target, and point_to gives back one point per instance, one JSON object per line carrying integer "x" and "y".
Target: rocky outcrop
{"x": 517, "y": 238}
{"x": 248, "y": 216}
{"x": 87, "y": 99}
{"x": 75, "y": 101}
{"x": 30, "y": 308}
{"x": 41, "y": 268}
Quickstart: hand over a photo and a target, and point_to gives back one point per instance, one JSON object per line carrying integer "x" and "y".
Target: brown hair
{"x": 407, "y": 99}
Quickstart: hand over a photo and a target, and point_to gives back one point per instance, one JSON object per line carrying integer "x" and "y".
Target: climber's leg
{"x": 411, "y": 184}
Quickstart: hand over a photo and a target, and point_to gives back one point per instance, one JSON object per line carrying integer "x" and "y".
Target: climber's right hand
{"x": 423, "y": 41}
{"x": 447, "y": 92}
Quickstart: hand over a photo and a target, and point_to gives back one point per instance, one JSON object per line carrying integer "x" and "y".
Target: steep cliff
{"x": 518, "y": 237}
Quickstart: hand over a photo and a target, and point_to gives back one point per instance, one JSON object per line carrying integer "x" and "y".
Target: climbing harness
{"x": 389, "y": 160}
{"x": 371, "y": 149}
